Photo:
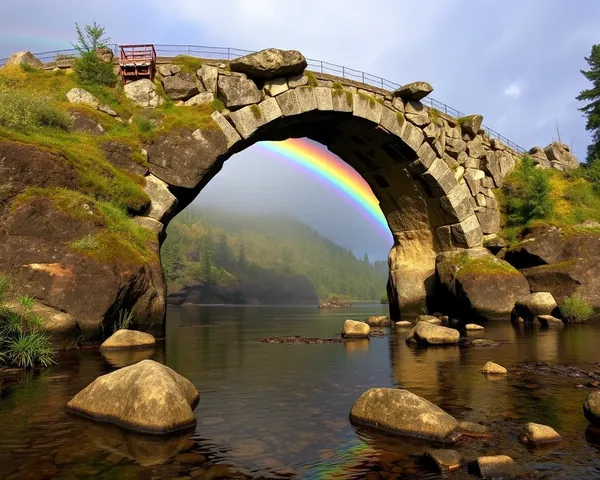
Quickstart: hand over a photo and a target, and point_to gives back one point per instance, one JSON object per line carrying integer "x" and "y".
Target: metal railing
{"x": 228, "y": 53}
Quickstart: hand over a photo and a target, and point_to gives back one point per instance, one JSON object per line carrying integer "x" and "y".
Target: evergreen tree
{"x": 592, "y": 109}
{"x": 206, "y": 254}
{"x": 242, "y": 260}
{"x": 366, "y": 259}
{"x": 222, "y": 254}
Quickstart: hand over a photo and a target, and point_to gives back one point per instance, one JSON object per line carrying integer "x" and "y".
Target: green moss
{"x": 400, "y": 118}
{"x": 434, "y": 114}
{"x": 487, "y": 264}
{"x": 188, "y": 64}
{"x": 368, "y": 98}
{"x": 337, "y": 86}
{"x": 312, "y": 80}
{"x": 120, "y": 238}
{"x": 255, "y": 109}
{"x": 217, "y": 105}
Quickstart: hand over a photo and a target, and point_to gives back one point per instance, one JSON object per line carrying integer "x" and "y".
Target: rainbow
{"x": 333, "y": 172}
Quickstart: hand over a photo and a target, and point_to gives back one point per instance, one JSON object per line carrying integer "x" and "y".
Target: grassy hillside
{"x": 223, "y": 247}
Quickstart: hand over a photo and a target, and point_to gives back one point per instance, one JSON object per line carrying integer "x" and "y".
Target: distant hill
{"x": 217, "y": 256}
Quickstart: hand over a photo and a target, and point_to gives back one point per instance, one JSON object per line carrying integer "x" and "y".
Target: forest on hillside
{"x": 232, "y": 257}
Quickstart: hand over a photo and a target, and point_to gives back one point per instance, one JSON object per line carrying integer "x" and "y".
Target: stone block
{"x": 342, "y": 100}
{"x": 306, "y": 99}
{"x": 209, "y": 75}
{"x": 439, "y": 178}
{"x": 297, "y": 81}
{"x": 248, "y": 119}
{"x": 444, "y": 235}
{"x": 412, "y": 136}
{"x": 468, "y": 232}
{"x": 457, "y": 204}
{"x": 367, "y": 107}
{"x": 275, "y": 86}
{"x": 489, "y": 220}
{"x": 289, "y": 103}
{"x": 230, "y": 133}
{"x": 163, "y": 202}
{"x": 324, "y": 98}
{"x": 392, "y": 121}
{"x": 426, "y": 158}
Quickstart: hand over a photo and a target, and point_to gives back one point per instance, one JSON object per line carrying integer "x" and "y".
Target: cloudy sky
{"x": 515, "y": 62}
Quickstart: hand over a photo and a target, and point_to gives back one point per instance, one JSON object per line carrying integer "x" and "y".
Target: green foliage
{"x": 592, "y": 96}
{"x": 217, "y": 105}
{"x": 90, "y": 39}
{"x": 89, "y": 244}
{"x": 26, "y": 112}
{"x": 123, "y": 321}
{"x": 91, "y": 70}
{"x": 312, "y": 80}
{"x": 383, "y": 298}
{"x": 575, "y": 309}
{"x": 255, "y": 109}
{"x": 188, "y": 64}
{"x": 591, "y": 171}
{"x": 434, "y": 114}
{"x": 261, "y": 248}
{"x": 23, "y": 342}
{"x": 526, "y": 194}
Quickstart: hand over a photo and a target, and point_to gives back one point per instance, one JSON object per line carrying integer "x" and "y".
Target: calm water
{"x": 281, "y": 411}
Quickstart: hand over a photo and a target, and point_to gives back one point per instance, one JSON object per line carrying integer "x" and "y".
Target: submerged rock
{"x": 124, "y": 338}
{"x": 404, "y": 324}
{"x": 404, "y": 413}
{"x": 497, "y": 466}
{"x": 473, "y": 327}
{"x": 484, "y": 342}
{"x": 493, "y": 368}
{"x": 432, "y": 319}
{"x": 296, "y": 339}
{"x": 428, "y": 334}
{"x": 352, "y": 328}
{"x": 535, "y": 433}
{"x": 146, "y": 397}
{"x": 549, "y": 321}
{"x": 475, "y": 430}
{"x": 379, "y": 321}
{"x": 591, "y": 408}
{"x": 446, "y": 460}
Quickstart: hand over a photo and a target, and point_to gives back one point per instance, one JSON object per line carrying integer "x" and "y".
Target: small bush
{"x": 12, "y": 76}
{"x": 575, "y": 309}
{"x": 312, "y": 80}
{"x": 24, "y": 112}
{"x": 90, "y": 70}
{"x": 526, "y": 194}
{"x": 188, "y": 64}
{"x": 26, "y": 350}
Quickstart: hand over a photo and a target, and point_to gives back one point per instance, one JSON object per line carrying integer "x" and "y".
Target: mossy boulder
{"x": 479, "y": 284}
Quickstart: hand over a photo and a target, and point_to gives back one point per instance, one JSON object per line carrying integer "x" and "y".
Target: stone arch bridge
{"x": 433, "y": 174}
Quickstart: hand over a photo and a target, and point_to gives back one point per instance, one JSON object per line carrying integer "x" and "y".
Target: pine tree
{"x": 592, "y": 109}
{"x": 242, "y": 261}
{"x": 206, "y": 255}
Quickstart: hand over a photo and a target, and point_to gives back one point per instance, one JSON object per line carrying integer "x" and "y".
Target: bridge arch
{"x": 432, "y": 174}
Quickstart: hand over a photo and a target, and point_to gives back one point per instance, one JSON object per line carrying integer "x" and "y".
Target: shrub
{"x": 91, "y": 70}
{"x": 527, "y": 194}
{"x": 23, "y": 342}
{"x": 24, "y": 112}
{"x": 575, "y": 309}
{"x": 12, "y": 76}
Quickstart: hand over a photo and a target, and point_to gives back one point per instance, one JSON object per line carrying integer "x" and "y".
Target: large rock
{"x": 471, "y": 124}
{"x": 480, "y": 284}
{"x": 24, "y": 58}
{"x": 428, "y": 334}
{"x": 84, "y": 124}
{"x": 83, "y": 97}
{"x": 536, "y": 434}
{"x": 146, "y": 397}
{"x": 560, "y": 156}
{"x": 498, "y": 164}
{"x": 238, "y": 91}
{"x": 163, "y": 203}
{"x": 143, "y": 93}
{"x": 428, "y": 319}
{"x": 124, "y": 338}
{"x": 180, "y": 86}
{"x": 121, "y": 155}
{"x": 413, "y": 91}
{"x": 181, "y": 157}
{"x": 591, "y": 408}
{"x": 403, "y": 413}
{"x": 354, "y": 329}
{"x": 534, "y": 304}
{"x": 270, "y": 63}
{"x": 560, "y": 262}
{"x": 379, "y": 321}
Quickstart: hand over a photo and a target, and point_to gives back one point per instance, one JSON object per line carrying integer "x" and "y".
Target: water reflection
{"x": 123, "y": 358}
{"x": 357, "y": 346}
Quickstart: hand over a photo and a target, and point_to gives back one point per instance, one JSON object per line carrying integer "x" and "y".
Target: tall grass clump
{"x": 25, "y": 112}
{"x": 575, "y": 309}
{"x": 187, "y": 63}
{"x": 23, "y": 341}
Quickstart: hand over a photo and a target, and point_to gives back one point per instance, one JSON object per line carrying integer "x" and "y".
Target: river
{"x": 281, "y": 411}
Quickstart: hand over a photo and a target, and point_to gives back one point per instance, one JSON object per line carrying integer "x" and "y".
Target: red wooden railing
{"x": 137, "y": 62}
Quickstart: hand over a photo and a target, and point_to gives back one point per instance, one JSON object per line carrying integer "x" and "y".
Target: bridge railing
{"x": 228, "y": 53}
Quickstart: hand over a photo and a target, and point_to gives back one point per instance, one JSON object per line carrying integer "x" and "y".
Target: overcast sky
{"x": 515, "y": 62}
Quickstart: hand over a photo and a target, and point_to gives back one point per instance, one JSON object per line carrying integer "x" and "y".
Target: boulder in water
{"x": 146, "y": 397}
{"x": 403, "y": 413}
{"x": 124, "y": 338}
{"x": 493, "y": 368}
{"x": 354, "y": 329}
{"x": 591, "y": 408}
{"x": 428, "y": 334}
{"x": 535, "y": 434}
{"x": 379, "y": 321}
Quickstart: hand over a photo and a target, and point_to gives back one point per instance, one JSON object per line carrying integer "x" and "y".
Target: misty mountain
{"x": 217, "y": 256}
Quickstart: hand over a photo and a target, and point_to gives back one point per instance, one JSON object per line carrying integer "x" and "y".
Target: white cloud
{"x": 513, "y": 90}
